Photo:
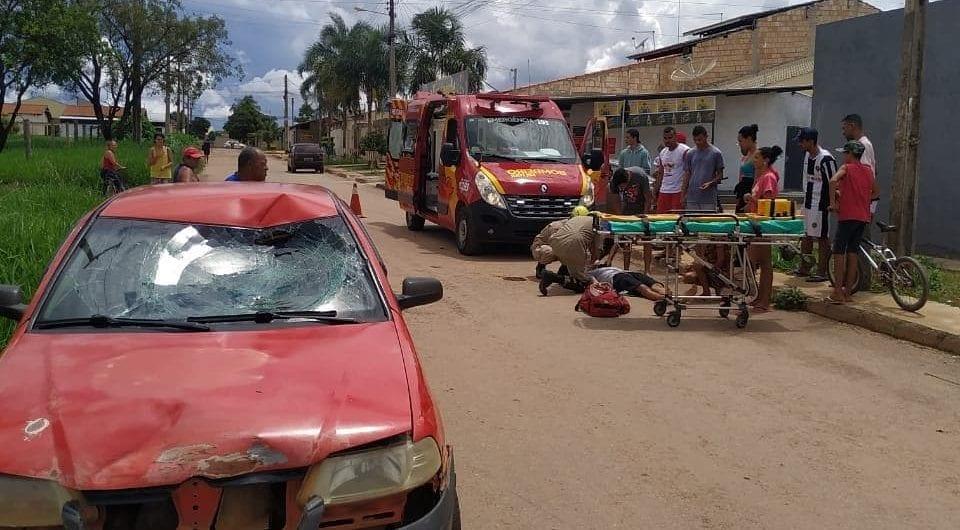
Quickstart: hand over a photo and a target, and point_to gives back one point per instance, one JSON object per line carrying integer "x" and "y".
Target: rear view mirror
{"x": 11, "y": 302}
{"x": 595, "y": 160}
{"x": 420, "y": 291}
{"x": 449, "y": 155}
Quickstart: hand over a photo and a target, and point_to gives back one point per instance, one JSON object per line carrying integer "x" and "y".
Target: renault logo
{"x": 543, "y": 188}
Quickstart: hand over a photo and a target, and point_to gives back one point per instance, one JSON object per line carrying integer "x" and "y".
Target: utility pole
{"x": 905, "y": 181}
{"x": 286, "y": 113}
{"x": 514, "y": 71}
{"x": 391, "y": 46}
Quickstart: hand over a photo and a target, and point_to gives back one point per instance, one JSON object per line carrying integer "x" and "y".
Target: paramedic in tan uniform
{"x": 541, "y": 251}
{"x": 573, "y": 244}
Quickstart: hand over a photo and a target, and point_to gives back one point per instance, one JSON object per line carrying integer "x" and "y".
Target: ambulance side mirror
{"x": 449, "y": 155}
{"x": 594, "y": 160}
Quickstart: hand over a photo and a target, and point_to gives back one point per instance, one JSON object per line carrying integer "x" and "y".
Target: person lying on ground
{"x": 630, "y": 282}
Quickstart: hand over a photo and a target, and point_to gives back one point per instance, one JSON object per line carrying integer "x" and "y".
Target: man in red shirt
{"x": 851, "y": 190}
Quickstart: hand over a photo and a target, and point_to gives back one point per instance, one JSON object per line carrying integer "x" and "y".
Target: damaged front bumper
{"x": 441, "y": 517}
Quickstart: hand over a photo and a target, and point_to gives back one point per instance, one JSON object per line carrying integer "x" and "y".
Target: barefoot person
{"x": 851, "y": 191}
{"x": 635, "y": 283}
{"x": 766, "y": 186}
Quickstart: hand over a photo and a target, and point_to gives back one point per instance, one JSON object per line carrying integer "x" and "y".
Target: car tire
{"x": 414, "y": 222}
{"x": 467, "y": 241}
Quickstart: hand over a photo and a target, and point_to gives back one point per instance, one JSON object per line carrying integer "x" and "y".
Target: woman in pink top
{"x": 766, "y": 185}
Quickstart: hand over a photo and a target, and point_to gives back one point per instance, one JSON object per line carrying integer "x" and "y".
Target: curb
{"x": 888, "y": 325}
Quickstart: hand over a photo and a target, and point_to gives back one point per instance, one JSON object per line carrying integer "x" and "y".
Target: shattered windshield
{"x": 139, "y": 269}
{"x": 520, "y": 138}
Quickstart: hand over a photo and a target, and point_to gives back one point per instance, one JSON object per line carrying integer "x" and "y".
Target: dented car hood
{"x": 131, "y": 410}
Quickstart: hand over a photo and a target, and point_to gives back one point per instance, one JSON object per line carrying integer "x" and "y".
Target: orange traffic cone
{"x": 355, "y": 202}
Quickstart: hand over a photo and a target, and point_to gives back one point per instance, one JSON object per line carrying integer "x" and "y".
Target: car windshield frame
{"x": 473, "y": 140}
{"x": 377, "y": 312}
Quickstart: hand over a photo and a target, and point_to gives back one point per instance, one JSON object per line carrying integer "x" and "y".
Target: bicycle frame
{"x": 884, "y": 256}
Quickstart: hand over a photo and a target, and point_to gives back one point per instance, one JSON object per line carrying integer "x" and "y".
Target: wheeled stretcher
{"x": 692, "y": 234}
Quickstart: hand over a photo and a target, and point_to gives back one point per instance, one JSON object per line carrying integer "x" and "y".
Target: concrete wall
{"x": 858, "y": 64}
{"x": 773, "y": 113}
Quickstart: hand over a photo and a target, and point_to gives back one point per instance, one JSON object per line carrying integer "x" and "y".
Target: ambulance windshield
{"x": 517, "y": 138}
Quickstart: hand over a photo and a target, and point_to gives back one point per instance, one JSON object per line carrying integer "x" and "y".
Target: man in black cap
{"x": 819, "y": 167}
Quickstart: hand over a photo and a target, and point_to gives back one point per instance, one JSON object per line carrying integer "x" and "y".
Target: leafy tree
{"x": 247, "y": 119}
{"x": 39, "y": 43}
{"x": 306, "y": 113}
{"x": 437, "y": 47}
{"x": 140, "y": 42}
{"x": 125, "y": 128}
{"x": 199, "y": 127}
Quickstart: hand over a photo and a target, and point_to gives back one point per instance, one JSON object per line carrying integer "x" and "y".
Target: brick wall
{"x": 778, "y": 39}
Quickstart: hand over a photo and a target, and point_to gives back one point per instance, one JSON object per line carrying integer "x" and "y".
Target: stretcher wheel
{"x": 742, "y": 318}
{"x": 725, "y": 309}
{"x": 660, "y": 308}
{"x": 673, "y": 319}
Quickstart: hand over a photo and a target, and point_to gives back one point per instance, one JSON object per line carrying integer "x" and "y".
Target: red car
{"x": 220, "y": 356}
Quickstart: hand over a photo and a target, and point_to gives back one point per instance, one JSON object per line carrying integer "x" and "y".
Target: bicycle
{"x": 904, "y": 277}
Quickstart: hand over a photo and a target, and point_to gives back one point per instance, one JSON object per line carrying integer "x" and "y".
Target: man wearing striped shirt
{"x": 819, "y": 166}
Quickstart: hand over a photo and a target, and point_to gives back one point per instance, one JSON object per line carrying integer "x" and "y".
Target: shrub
{"x": 789, "y": 299}
{"x": 374, "y": 141}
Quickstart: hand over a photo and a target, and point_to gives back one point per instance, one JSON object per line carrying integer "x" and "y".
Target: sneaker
{"x": 540, "y": 268}
{"x": 548, "y": 279}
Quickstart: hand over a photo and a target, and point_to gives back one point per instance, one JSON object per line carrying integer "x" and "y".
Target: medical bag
{"x": 776, "y": 208}
{"x": 600, "y": 300}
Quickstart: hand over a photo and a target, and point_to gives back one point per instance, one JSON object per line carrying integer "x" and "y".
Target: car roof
{"x": 241, "y": 204}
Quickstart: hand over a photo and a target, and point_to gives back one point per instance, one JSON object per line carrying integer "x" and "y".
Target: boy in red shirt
{"x": 851, "y": 190}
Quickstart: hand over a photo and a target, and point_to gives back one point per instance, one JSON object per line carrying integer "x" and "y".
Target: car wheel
{"x": 414, "y": 222}
{"x": 467, "y": 242}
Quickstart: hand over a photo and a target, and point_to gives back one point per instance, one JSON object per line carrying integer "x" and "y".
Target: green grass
{"x": 41, "y": 198}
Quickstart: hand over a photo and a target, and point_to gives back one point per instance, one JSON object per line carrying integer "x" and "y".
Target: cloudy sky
{"x": 542, "y": 39}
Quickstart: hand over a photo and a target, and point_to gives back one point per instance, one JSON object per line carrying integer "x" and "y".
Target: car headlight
{"x": 488, "y": 192}
{"x": 28, "y": 502}
{"x": 371, "y": 474}
{"x": 588, "y": 197}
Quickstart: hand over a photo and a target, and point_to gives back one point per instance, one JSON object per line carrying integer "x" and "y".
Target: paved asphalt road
{"x": 563, "y": 421}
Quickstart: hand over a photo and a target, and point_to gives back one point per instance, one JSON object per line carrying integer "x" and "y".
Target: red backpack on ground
{"x": 600, "y": 300}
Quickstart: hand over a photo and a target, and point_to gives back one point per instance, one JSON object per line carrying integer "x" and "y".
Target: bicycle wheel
{"x": 908, "y": 284}
{"x": 863, "y": 274}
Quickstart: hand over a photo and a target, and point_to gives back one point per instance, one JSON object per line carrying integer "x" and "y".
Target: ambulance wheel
{"x": 742, "y": 319}
{"x": 415, "y": 222}
{"x": 673, "y": 319}
{"x": 725, "y": 309}
{"x": 467, "y": 241}
{"x": 660, "y": 308}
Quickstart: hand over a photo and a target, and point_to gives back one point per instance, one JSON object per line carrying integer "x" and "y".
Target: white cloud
{"x": 212, "y": 105}
{"x": 602, "y": 58}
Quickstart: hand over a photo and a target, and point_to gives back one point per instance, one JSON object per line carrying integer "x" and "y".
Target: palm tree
{"x": 439, "y": 48}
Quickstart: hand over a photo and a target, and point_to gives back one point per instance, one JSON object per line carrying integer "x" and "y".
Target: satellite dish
{"x": 693, "y": 69}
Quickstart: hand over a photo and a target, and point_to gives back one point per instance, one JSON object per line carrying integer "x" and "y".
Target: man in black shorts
{"x": 636, "y": 283}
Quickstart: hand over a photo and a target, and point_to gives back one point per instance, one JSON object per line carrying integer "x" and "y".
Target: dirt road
{"x": 563, "y": 421}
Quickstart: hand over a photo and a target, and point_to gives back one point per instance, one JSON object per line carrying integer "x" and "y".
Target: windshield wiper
{"x": 504, "y": 157}
{"x": 265, "y": 317}
{"x": 103, "y": 321}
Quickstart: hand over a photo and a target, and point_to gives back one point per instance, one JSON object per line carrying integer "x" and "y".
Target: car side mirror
{"x": 449, "y": 155}
{"x": 595, "y": 160}
{"x": 419, "y": 291}
{"x": 11, "y": 302}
